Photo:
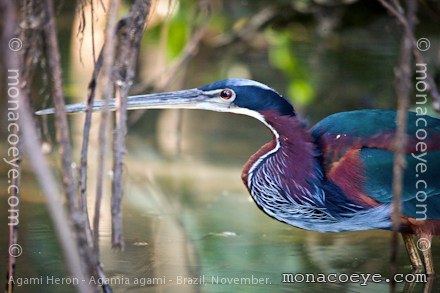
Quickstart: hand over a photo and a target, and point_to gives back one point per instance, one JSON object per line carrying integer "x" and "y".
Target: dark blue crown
{"x": 253, "y": 95}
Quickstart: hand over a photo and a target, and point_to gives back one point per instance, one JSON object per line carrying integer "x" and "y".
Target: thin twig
{"x": 62, "y": 127}
{"x": 88, "y": 116}
{"x": 92, "y": 26}
{"x": 77, "y": 216}
{"x": 393, "y": 9}
{"x": 85, "y": 144}
{"x": 403, "y": 89}
{"x": 93, "y": 241}
{"x": 108, "y": 53}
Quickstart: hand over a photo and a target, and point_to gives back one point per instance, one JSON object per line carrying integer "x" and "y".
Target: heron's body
{"x": 338, "y": 175}
{"x": 288, "y": 182}
{"x": 334, "y": 177}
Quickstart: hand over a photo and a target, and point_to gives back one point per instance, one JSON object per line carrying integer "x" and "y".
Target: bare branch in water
{"x": 78, "y": 217}
{"x": 125, "y": 68}
{"x": 35, "y": 156}
{"x": 403, "y": 90}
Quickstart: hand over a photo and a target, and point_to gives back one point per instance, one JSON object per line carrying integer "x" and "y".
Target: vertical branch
{"x": 88, "y": 117}
{"x": 403, "y": 89}
{"x": 126, "y": 61}
{"x": 108, "y": 91}
{"x": 117, "y": 188}
{"x": 85, "y": 144}
{"x": 77, "y": 216}
{"x": 30, "y": 140}
{"x": 62, "y": 128}
{"x": 92, "y": 24}
{"x": 92, "y": 240}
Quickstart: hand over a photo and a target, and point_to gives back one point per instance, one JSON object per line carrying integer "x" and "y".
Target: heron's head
{"x": 241, "y": 96}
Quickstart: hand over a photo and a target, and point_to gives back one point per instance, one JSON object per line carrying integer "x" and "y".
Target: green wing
{"x": 371, "y": 132}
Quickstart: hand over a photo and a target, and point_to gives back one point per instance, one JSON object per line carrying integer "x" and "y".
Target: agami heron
{"x": 336, "y": 176}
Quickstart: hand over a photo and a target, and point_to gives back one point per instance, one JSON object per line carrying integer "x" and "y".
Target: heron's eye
{"x": 226, "y": 94}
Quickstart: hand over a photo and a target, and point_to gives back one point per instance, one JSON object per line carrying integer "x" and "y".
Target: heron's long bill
{"x": 184, "y": 99}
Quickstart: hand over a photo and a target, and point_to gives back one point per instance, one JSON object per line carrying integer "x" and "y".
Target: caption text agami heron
{"x": 336, "y": 176}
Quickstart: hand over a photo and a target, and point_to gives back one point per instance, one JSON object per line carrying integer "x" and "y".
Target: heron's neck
{"x": 294, "y": 146}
